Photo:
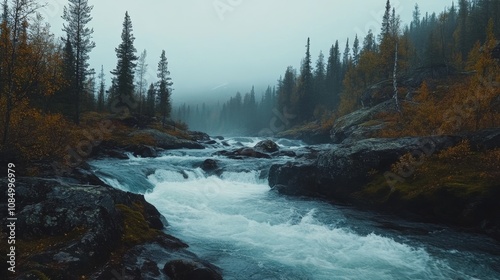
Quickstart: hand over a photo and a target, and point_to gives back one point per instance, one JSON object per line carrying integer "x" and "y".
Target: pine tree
{"x": 125, "y": 67}
{"x": 333, "y": 77}
{"x": 100, "y": 96}
{"x": 355, "y": 51}
{"x": 151, "y": 100}
{"x": 305, "y": 88}
{"x": 164, "y": 88}
{"x": 77, "y": 16}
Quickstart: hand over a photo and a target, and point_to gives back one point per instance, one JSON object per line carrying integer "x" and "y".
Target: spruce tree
{"x": 77, "y": 16}
{"x": 100, "y": 96}
{"x": 125, "y": 67}
{"x": 164, "y": 88}
{"x": 305, "y": 87}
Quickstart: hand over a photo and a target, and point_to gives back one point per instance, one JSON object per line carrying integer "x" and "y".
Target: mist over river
{"x": 234, "y": 220}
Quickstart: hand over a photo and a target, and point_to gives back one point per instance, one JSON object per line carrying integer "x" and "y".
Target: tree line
{"x": 336, "y": 85}
{"x": 47, "y": 81}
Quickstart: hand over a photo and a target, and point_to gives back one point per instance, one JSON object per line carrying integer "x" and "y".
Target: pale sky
{"x": 223, "y": 46}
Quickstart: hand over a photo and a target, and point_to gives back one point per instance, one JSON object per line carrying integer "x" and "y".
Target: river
{"x": 235, "y": 221}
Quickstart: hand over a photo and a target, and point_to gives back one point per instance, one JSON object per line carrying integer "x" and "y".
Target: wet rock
{"x": 344, "y": 169}
{"x": 266, "y": 146}
{"x": 284, "y": 153}
{"x": 198, "y": 136}
{"x": 143, "y": 151}
{"x": 209, "y": 165}
{"x": 243, "y": 153}
{"x": 168, "y": 142}
{"x": 210, "y": 142}
{"x": 190, "y": 270}
{"x": 219, "y": 137}
{"x": 225, "y": 143}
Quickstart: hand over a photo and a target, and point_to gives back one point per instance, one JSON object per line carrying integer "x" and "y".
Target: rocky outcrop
{"x": 346, "y": 172}
{"x": 242, "y": 153}
{"x": 69, "y": 228}
{"x": 360, "y": 124}
{"x": 168, "y": 142}
{"x": 345, "y": 168}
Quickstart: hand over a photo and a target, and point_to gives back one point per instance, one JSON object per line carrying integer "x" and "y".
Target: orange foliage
{"x": 36, "y": 136}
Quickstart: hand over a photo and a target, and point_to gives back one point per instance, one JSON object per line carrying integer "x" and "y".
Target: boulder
{"x": 209, "y": 165}
{"x": 190, "y": 270}
{"x": 266, "y": 146}
{"x": 143, "y": 151}
{"x": 242, "y": 153}
{"x": 80, "y": 223}
{"x": 198, "y": 136}
{"x": 168, "y": 142}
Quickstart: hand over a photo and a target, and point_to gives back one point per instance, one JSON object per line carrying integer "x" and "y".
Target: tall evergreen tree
{"x": 100, "y": 96}
{"x": 125, "y": 67}
{"x": 151, "y": 101}
{"x": 164, "y": 88}
{"x": 320, "y": 80}
{"x": 355, "y": 50}
{"x": 77, "y": 16}
{"x": 304, "y": 105}
{"x": 333, "y": 76}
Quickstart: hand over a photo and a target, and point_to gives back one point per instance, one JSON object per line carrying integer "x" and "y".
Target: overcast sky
{"x": 221, "y": 46}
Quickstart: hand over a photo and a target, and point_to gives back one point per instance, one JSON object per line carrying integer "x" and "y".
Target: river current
{"x": 235, "y": 221}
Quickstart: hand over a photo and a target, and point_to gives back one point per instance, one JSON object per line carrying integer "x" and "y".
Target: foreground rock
{"x": 69, "y": 230}
{"x": 345, "y": 173}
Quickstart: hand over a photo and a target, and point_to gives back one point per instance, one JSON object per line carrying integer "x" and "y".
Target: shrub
{"x": 457, "y": 153}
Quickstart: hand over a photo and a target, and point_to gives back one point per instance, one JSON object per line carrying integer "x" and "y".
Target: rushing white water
{"x": 236, "y": 222}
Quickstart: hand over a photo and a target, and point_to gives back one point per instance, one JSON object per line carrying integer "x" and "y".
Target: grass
{"x": 471, "y": 175}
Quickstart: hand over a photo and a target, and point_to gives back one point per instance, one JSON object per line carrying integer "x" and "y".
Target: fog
{"x": 217, "y": 47}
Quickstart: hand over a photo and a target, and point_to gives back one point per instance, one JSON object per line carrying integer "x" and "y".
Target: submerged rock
{"x": 209, "y": 165}
{"x": 266, "y": 146}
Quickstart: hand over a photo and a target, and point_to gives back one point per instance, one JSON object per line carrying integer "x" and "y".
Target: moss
{"x": 32, "y": 247}
{"x": 469, "y": 177}
{"x": 136, "y": 229}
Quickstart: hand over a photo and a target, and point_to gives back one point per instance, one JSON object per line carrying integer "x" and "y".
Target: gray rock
{"x": 266, "y": 146}
{"x": 345, "y": 168}
{"x": 360, "y": 124}
{"x": 166, "y": 141}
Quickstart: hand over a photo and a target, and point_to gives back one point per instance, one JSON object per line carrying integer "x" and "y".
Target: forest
{"x": 441, "y": 68}
{"x": 454, "y": 52}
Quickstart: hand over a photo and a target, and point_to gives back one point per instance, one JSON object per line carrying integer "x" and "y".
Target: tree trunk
{"x": 395, "y": 81}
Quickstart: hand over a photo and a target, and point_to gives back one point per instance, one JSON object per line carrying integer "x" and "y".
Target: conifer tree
{"x": 164, "y": 88}
{"x": 305, "y": 96}
{"x": 100, "y": 96}
{"x": 125, "y": 67}
{"x": 77, "y": 16}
